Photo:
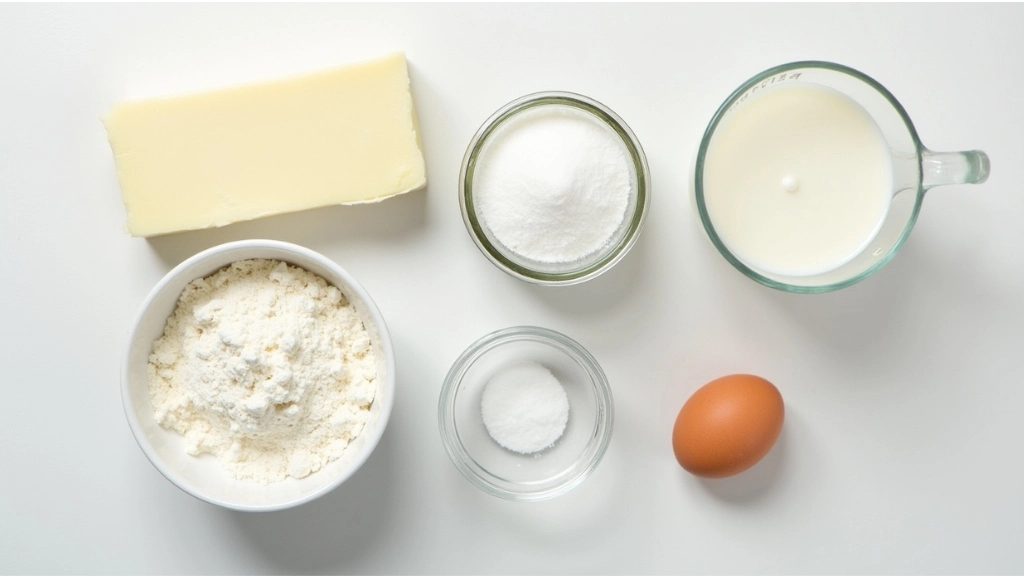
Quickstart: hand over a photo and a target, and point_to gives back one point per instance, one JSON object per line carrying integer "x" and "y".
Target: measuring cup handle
{"x": 943, "y": 168}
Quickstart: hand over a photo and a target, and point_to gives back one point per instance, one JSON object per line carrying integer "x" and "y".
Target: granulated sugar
{"x": 267, "y": 367}
{"x": 553, "y": 183}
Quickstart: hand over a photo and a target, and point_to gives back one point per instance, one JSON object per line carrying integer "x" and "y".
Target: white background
{"x": 902, "y": 448}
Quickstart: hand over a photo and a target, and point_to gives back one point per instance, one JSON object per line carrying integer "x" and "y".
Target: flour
{"x": 525, "y": 408}
{"x": 553, "y": 183}
{"x": 267, "y": 367}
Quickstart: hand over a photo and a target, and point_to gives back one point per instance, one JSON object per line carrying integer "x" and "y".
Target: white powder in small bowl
{"x": 553, "y": 183}
{"x": 265, "y": 366}
{"x": 525, "y": 408}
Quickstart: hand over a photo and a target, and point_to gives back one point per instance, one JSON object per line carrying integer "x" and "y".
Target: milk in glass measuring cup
{"x": 810, "y": 177}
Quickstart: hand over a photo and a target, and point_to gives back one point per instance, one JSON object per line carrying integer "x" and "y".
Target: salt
{"x": 525, "y": 408}
{"x": 552, "y": 183}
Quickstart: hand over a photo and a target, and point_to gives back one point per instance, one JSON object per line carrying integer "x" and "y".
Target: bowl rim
{"x": 287, "y": 248}
{"x": 580, "y": 469}
{"x": 636, "y": 220}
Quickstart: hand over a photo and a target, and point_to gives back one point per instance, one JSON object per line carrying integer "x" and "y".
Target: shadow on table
{"x": 331, "y": 532}
{"x": 867, "y": 328}
{"x": 754, "y": 484}
{"x": 611, "y": 307}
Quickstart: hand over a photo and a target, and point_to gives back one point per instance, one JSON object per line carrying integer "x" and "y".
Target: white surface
{"x": 901, "y": 450}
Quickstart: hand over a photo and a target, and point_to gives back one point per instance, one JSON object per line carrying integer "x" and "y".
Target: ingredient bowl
{"x": 507, "y": 474}
{"x": 811, "y": 176}
{"x": 203, "y": 476}
{"x": 559, "y": 191}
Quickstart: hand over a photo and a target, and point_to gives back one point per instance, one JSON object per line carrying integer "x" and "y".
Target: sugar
{"x": 553, "y": 183}
{"x": 525, "y": 408}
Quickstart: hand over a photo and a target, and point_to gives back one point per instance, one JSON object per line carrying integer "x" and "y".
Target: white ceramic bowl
{"x": 203, "y": 476}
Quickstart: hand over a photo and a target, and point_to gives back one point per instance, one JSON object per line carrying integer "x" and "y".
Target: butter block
{"x": 343, "y": 136}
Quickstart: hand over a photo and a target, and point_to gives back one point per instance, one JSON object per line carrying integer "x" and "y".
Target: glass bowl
{"x": 553, "y": 471}
{"x": 557, "y": 273}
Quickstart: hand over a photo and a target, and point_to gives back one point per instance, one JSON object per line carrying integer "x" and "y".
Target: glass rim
{"x": 562, "y": 482}
{"x": 613, "y": 253}
{"x": 702, "y": 154}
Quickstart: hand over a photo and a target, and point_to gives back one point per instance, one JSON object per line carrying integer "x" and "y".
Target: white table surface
{"x": 902, "y": 448}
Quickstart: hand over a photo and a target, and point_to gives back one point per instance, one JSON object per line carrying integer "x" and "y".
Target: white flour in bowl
{"x": 267, "y": 367}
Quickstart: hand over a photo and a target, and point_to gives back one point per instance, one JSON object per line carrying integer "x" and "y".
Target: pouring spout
{"x": 945, "y": 168}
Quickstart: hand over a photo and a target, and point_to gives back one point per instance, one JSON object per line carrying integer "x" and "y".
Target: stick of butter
{"x": 344, "y": 136}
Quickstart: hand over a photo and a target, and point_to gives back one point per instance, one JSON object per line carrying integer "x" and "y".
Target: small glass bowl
{"x": 510, "y": 475}
{"x": 558, "y": 273}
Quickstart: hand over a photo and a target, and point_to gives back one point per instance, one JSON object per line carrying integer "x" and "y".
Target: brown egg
{"x": 728, "y": 426}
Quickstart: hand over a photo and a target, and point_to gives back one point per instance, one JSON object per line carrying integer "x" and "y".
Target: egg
{"x": 728, "y": 425}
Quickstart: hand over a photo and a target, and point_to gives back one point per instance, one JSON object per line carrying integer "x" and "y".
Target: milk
{"x": 797, "y": 180}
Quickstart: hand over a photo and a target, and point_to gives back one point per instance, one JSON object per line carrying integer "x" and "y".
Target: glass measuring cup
{"x": 914, "y": 170}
